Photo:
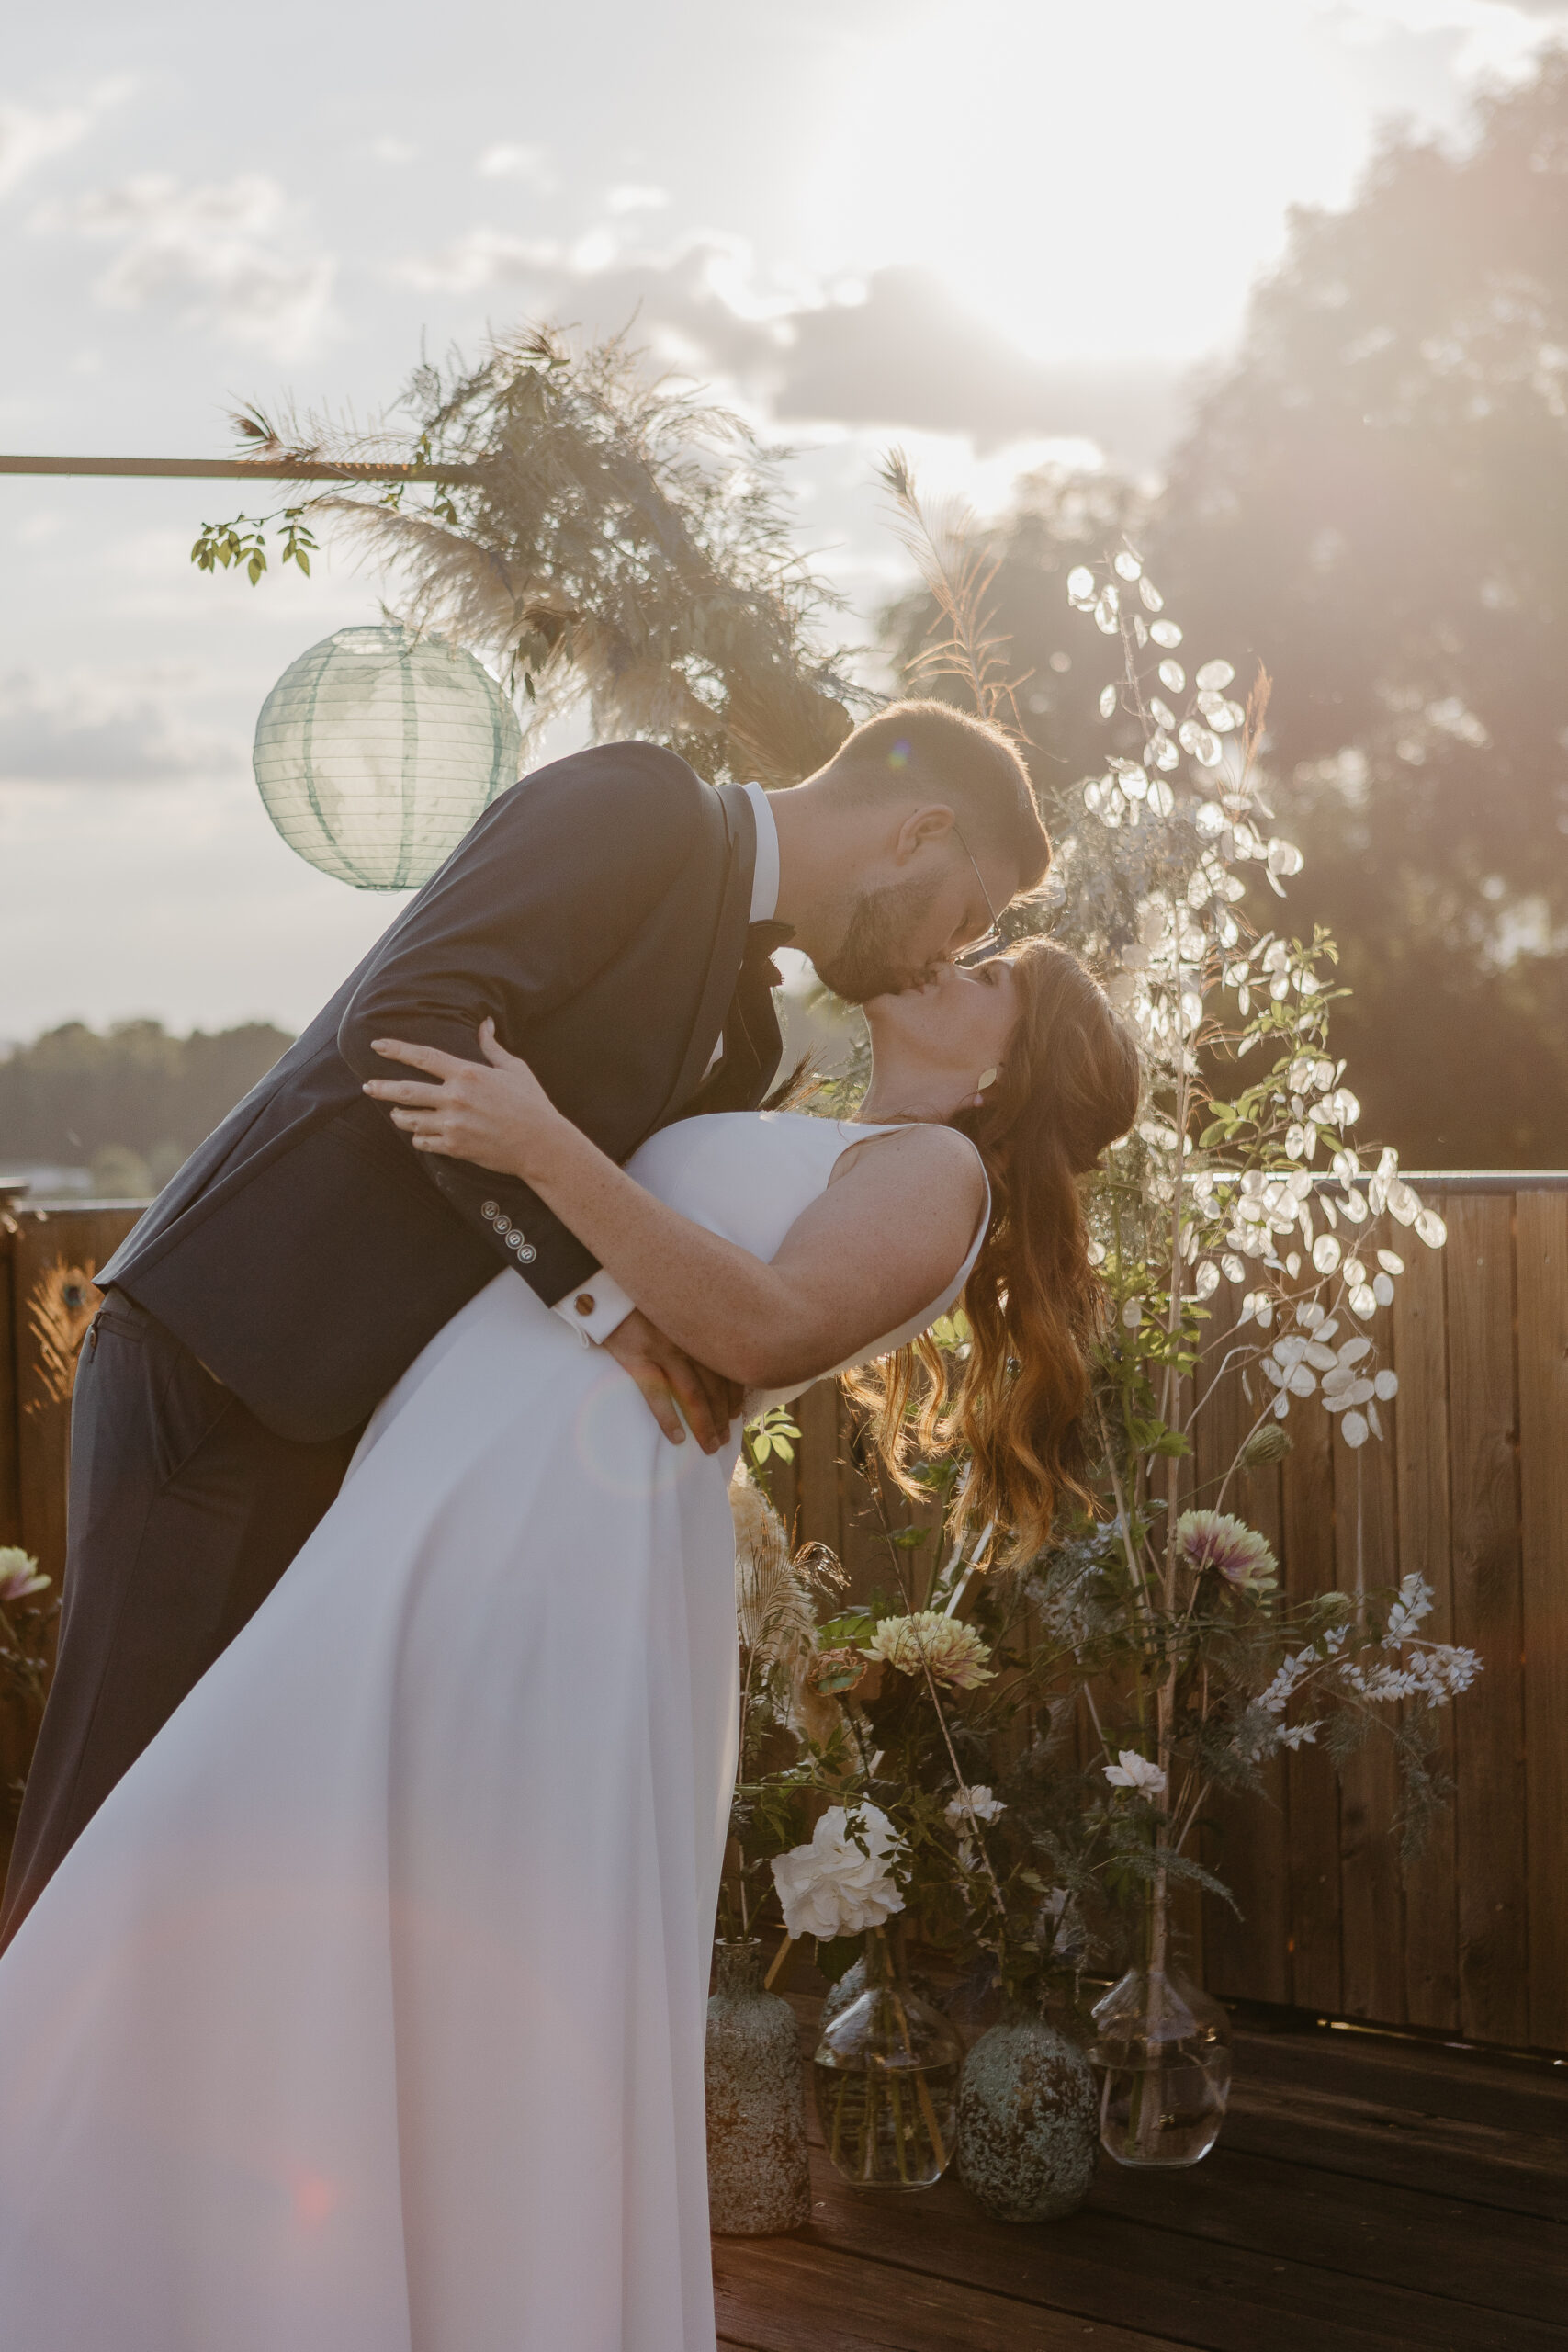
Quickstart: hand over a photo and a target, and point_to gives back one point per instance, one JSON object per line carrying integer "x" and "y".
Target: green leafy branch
{"x": 242, "y": 543}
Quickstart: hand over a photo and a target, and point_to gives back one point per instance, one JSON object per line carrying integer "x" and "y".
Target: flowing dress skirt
{"x": 368, "y": 2014}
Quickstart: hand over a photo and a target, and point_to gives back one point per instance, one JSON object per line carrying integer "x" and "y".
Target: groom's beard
{"x": 874, "y": 959}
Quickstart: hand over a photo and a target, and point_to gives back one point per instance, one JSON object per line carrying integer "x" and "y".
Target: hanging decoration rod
{"x": 236, "y": 469}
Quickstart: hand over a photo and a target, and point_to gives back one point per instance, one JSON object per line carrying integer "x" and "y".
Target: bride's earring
{"x": 987, "y": 1078}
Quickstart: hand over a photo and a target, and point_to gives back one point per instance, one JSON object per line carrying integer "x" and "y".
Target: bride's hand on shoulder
{"x": 494, "y": 1112}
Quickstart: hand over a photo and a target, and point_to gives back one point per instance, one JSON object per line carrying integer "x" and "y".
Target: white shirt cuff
{"x": 596, "y": 1307}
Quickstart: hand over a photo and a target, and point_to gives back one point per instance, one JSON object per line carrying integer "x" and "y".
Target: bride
{"x": 368, "y": 2014}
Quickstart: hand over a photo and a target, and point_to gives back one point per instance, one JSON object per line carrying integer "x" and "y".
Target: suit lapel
{"x": 728, "y": 947}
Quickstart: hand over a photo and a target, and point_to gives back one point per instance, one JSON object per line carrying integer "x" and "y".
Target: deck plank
{"x": 1495, "y": 2259}
{"x": 801, "y": 2294}
{"x": 1133, "y": 2271}
{"x": 1369, "y": 2192}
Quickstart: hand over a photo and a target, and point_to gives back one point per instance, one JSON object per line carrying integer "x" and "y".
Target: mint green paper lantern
{"x": 376, "y": 751}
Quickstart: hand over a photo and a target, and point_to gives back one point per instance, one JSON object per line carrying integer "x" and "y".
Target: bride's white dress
{"x": 368, "y": 2014}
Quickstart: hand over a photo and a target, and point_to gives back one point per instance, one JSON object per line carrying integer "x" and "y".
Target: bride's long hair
{"x": 1068, "y": 1089}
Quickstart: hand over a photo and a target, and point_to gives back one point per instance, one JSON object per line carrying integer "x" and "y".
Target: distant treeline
{"x": 130, "y": 1103}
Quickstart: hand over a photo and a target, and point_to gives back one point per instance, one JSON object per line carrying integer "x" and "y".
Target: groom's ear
{"x": 931, "y": 824}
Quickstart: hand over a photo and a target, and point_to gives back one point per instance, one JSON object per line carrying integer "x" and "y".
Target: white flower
{"x": 950, "y": 1650}
{"x": 834, "y": 1886}
{"x": 1135, "y": 1771}
{"x": 18, "y": 1573}
{"x": 982, "y": 1807}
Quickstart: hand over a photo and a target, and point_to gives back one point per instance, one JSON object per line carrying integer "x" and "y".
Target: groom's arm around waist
{"x": 551, "y": 886}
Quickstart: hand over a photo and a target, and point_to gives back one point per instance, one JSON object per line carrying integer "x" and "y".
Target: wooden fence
{"x": 1472, "y": 1490}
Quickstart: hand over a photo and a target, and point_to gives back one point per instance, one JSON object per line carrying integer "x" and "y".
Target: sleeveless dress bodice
{"x": 750, "y": 1174}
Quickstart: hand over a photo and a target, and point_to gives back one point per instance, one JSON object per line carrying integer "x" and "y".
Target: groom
{"x": 615, "y": 917}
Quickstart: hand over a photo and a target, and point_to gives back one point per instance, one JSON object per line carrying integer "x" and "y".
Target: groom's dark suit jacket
{"x": 598, "y": 911}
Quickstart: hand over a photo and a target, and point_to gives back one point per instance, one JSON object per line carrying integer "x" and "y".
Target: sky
{"x": 993, "y": 231}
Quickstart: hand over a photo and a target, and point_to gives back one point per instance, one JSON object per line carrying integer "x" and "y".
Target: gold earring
{"x": 987, "y": 1078}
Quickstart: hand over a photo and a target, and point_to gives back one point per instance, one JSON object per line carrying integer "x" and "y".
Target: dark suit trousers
{"x": 183, "y": 1513}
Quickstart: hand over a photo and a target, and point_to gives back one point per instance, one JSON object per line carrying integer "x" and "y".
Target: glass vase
{"x": 1164, "y": 2050}
{"x": 759, "y": 2171}
{"x": 1027, "y": 2120}
{"x": 886, "y": 2075}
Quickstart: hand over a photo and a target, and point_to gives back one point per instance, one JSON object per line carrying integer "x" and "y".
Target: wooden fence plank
{"x": 1247, "y": 1957}
{"x": 79, "y": 1240}
{"x": 1316, "y": 1977}
{"x": 1421, "y": 1455}
{"x": 816, "y": 1482}
{"x": 10, "y": 1490}
{"x": 1489, "y": 1719}
{"x": 1372, "y": 1897}
{"x": 1543, "y": 1263}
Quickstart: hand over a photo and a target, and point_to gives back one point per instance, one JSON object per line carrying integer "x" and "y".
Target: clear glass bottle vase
{"x": 1162, "y": 2048}
{"x": 885, "y": 2075}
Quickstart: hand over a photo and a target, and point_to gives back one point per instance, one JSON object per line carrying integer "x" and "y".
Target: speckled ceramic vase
{"x": 1027, "y": 2121}
{"x": 759, "y": 2179}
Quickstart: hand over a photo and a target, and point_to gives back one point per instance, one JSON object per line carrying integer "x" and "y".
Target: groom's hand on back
{"x": 669, "y": 1378}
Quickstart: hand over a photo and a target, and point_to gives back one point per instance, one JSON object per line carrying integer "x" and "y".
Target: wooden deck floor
{"x": 1367, "y": 2193}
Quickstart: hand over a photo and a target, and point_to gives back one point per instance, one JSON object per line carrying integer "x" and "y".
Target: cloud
{"x": 631, "y": 195}
{"x": 392, "y": 150}
{"x": 29, "y": 136}
{"x": 221, "y": 253}
{"x": 509, "y": 162}
{"x": 59, "y": 735}
{"x": 901, "y": 352}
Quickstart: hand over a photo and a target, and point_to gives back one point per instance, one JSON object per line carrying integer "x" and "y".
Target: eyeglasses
{"x": 991, "y": 941}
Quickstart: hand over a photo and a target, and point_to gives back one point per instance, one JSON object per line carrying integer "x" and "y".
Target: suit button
{"x": 585, "y": 1302}
{"x": 490, "y": 1208}
{"x": 527, "y": 1255}
{"x": 514, "y": 1239}
{"x": 503, "y": 1226}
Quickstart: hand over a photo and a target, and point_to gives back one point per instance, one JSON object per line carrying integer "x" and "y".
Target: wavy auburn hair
{"x": 1068, "y": 1087}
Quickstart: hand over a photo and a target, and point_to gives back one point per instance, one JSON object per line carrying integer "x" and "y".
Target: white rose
{"x": 831, "y": 1887}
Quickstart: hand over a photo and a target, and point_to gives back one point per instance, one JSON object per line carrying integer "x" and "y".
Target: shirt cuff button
{"x": 583, "y": 1302}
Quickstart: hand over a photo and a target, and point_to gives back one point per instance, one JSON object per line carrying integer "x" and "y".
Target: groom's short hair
{"x": 950, "y": 756}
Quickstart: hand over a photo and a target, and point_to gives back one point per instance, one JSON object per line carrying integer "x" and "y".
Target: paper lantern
{"x": 377, "y": 749}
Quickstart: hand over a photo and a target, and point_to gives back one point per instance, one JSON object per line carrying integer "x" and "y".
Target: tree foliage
{"x": 76, "y": 1092}
{"x": 1372, "y": 503}
{"x": 1374, "y": 500}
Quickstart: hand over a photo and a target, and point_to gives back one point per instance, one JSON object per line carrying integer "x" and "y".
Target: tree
{"x": 75, "y": 1096}
{"x": 1374, "y": 500}
{"x": 1371, "y": 505}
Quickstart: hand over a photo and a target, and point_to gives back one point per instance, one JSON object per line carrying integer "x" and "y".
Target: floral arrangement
{"x": 935, "y": 1723}
{"x": 1224, "y": 1184}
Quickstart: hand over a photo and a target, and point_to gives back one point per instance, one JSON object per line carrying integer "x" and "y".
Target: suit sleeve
{"x": 549, "y": 887}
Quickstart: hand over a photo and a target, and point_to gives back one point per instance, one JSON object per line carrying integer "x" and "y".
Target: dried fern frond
{"x": 61, "y": 1306}
{"x": 611, "y": 536}
{"x": 958, "y": 571}
{"x": 775, "y": 1595}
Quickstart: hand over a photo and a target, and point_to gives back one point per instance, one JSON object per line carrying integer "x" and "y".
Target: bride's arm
{"x": 881, "y": 1243}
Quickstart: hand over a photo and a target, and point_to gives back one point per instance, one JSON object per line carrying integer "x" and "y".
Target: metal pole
{"x": 236, "y": 469}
